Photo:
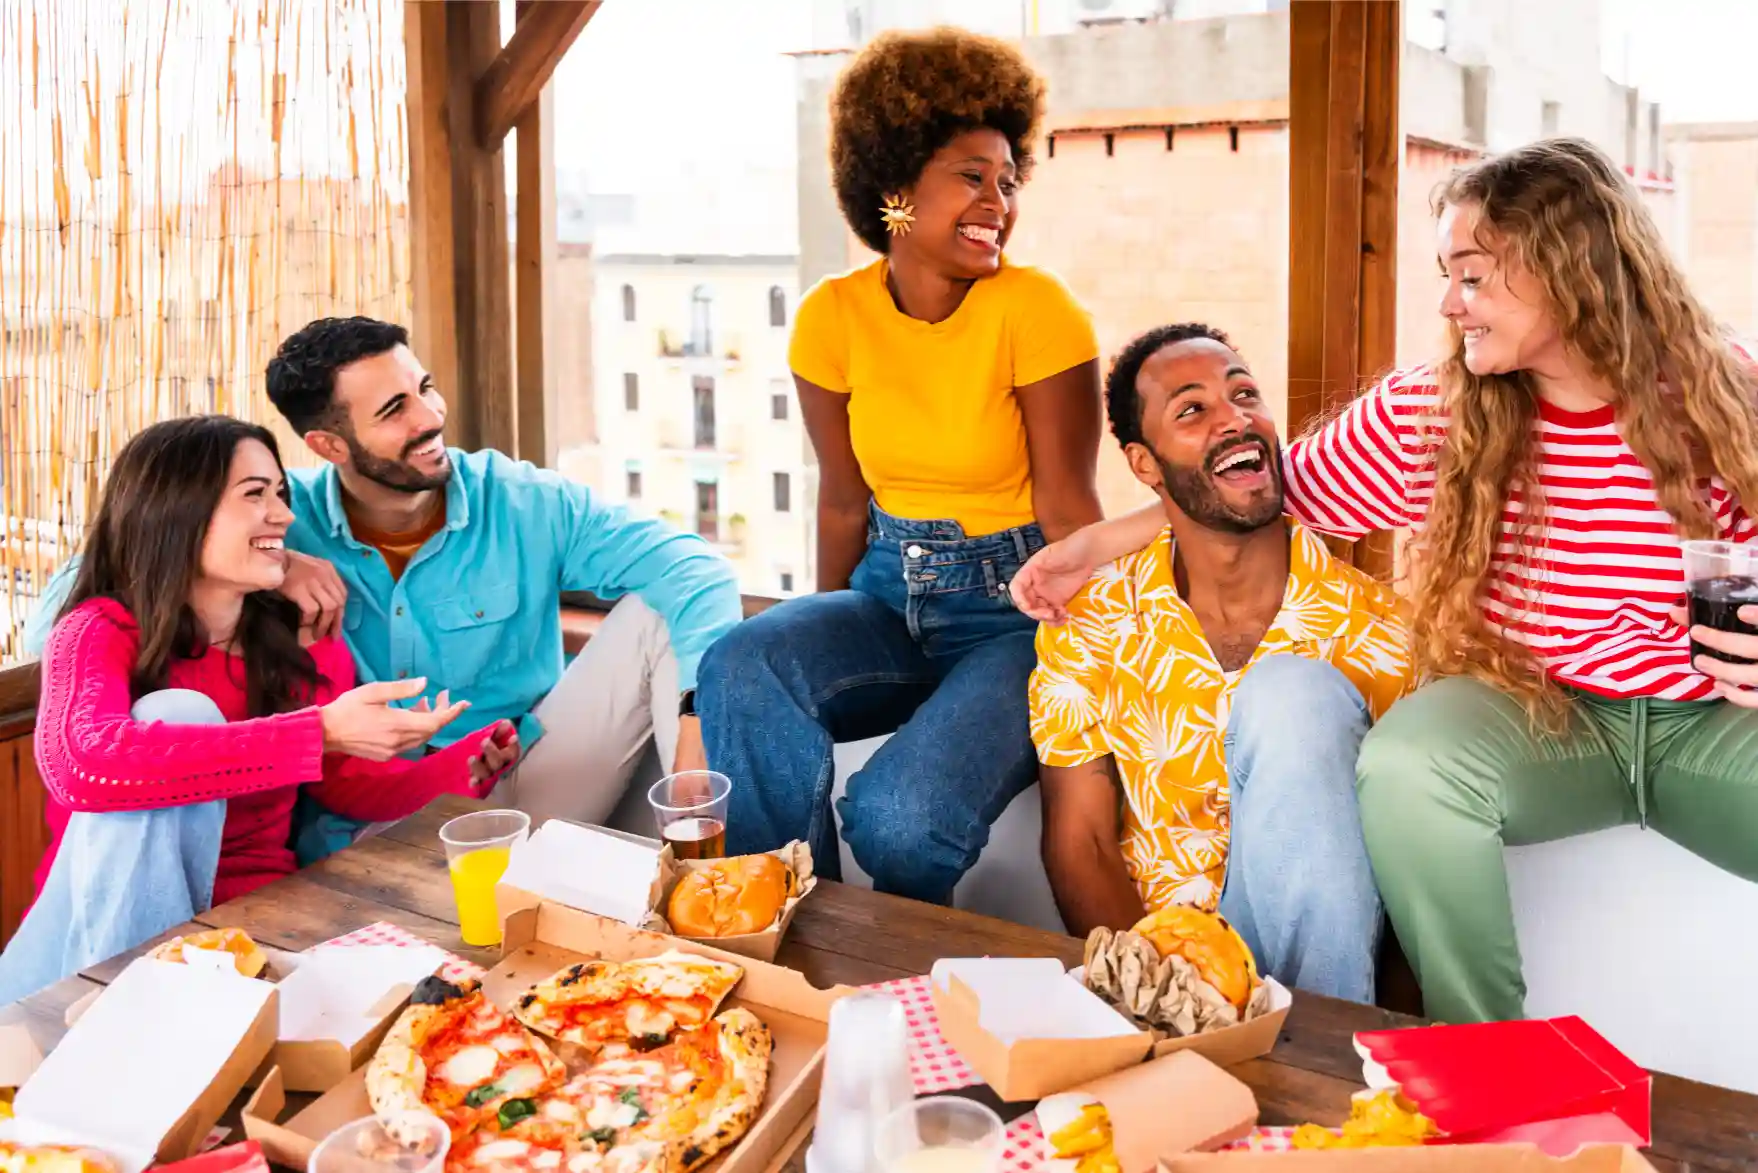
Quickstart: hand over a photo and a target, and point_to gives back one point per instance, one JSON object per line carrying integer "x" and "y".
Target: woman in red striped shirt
{"x": 1589, "y": 418}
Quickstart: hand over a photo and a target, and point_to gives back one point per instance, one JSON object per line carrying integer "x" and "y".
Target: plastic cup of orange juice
{"x": 478, "y": 847}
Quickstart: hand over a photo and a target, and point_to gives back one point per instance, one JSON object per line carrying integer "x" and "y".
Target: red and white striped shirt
{"x": 1600, "y": 575}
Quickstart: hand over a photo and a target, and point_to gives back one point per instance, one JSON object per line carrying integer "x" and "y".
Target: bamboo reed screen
{"x": 182, "y": 184}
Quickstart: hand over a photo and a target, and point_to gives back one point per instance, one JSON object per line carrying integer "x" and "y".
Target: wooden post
{"x": 1345, "y": 149}
{"x": 536, "y": 257}
{"x": 458, "y": 204}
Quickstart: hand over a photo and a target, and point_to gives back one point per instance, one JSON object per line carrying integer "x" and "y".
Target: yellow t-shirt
{"x": 936, "y": 428}
{"x": 1131, "y": 674}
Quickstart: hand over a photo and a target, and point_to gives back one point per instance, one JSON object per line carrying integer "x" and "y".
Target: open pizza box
{"x": 150, "y": 1066}
{"x": 540, "y": 940}
{"x": 1178, "y": 1104}
{"x": 1489, "y": 1158}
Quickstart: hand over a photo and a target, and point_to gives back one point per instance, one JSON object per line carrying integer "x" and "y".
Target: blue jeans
{"x": 1299, "y": 886}
{"x": 926, "y": 646}
{"x": 120, "y": 878}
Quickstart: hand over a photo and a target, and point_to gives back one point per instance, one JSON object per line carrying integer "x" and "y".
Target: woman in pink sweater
{"x": 183, "y": 708}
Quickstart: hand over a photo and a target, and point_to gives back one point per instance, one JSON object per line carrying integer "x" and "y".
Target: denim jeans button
{"x": 914, "y": 552}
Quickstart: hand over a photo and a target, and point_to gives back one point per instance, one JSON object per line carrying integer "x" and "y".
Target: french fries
{"x": 1087, "y": 1141}
{"x": 1382, "y": 1119}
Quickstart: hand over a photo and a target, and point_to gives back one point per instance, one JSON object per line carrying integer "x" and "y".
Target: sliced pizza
{"x": 52, "y": 1158}
{"x": 636, "y": 1005}
{"x": 693, "y": 1097}
{"x": 454, "y": 1053}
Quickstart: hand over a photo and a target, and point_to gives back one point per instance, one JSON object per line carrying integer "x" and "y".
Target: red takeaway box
{"x": 1555, "y": 1083}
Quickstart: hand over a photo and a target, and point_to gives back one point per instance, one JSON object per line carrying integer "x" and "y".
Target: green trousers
{"x": 1454, "y": 772}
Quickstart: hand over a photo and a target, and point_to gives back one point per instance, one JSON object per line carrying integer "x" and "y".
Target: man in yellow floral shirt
{"x": 1198, "y": 715}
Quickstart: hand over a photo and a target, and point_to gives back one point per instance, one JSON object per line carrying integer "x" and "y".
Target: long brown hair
{"x": 145, "y": 553}
{"x": 1561, "y": 211}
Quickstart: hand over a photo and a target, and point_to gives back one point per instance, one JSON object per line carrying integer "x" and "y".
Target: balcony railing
{"x": 674, "y": 346}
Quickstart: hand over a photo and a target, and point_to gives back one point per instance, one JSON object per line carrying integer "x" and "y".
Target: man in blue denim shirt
{"x": 449, "y": 566}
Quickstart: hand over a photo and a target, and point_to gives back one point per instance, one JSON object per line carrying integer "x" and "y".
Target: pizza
{"x": 52, "y": 1158}
{"x": 635, "y": 1004}
{"x": 662, "y": 1083}
{"x": 456, "y": 1054}
{"x": 246, "y": 956}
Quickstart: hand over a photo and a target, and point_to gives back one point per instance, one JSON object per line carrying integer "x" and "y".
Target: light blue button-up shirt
{"x": 477, "y": 610}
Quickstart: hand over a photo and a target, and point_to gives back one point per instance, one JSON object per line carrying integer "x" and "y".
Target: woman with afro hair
{"x": 952, "y": 397}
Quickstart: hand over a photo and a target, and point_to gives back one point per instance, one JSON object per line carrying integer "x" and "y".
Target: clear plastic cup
{"x": 478, "y": 847}
{"x": 866, "y": 1079}
{"x": 1721, "y": 578}
{"x": 940, "y": 1134}
{"x": 403, "y": 1142}
{"x": 690, "y": 809}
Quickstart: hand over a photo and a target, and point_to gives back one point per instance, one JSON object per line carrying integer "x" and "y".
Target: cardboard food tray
{"x": 1417, "y": 1159}
{"x": 541, "y": 940}
{"x": 1032, "y": 1068}
{"x": 761, "y": 946}
{"x": 1212, "y": 1110}
{"x": 173, "y": 1044}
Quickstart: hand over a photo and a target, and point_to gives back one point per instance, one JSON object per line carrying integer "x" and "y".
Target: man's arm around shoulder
{"x": 1083, "y": 847}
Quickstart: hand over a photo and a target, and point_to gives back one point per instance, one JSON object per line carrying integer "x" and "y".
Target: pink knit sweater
{"x": 94, "y": 756}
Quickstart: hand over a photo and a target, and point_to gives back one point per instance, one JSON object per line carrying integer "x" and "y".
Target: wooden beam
{"x": 512, "y": 82}
{"x": 1345, "y": 150}
{"x": 535, "y": 259}
{"x": 462, "y": 278}
{"x": 434, "y": 322}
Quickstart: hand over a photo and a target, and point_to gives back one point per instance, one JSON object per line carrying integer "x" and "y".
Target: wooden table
{"x": 854, "y": 936}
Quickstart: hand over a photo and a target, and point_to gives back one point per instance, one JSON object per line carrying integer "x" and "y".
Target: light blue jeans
{"x": 1299, "y": 886}
{"x": 120, "y": 878}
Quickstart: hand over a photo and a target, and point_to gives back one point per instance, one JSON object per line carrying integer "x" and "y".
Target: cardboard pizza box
{"x": 762, "y": 946}
{"x": 163, "y": 1051}
{"x": 594, "y": 869}
{"x": 1028, "y": 1028}
{"x": 337, "y": 1004}
{"x": 539, "y": 941}
{"x": 1214, "y": 1109}
{"x": 1493, "y": 1158}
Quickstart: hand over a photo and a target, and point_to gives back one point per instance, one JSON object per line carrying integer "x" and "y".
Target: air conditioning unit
{"x": 1120, "y": 11}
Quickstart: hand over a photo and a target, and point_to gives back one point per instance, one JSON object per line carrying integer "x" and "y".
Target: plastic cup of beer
{"x": 478, "y": 847}
{"x": 690, "y": 809}
{"x": 940, "y": 1134}
{"x": 1720, "y": 578}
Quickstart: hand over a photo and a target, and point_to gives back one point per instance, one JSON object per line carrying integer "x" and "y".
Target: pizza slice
{"x": 630, "y": 1005}
{"x": 692, "y": 1098}
{"x": 52, "y": 1158}
{"x": 246, "y": 956}
{"x": 454, "y": 1053}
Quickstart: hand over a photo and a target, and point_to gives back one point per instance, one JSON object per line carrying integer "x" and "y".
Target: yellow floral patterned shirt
{"x": 1131, "y": 674}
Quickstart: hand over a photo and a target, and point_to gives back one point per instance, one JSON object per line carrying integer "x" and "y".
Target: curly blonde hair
{"x": 910, "y": 93}
{"x": 1561, "y": 211}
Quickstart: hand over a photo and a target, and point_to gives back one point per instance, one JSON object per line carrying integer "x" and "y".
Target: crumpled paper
{"x": 1164, "y": 995}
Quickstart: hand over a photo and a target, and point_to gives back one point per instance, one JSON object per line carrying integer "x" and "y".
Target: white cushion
{"x": 1653, "y": 946}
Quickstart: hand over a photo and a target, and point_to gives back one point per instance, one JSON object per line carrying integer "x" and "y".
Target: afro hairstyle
{"x": 907, "y": 95}
{"x": 1123, "y": 401}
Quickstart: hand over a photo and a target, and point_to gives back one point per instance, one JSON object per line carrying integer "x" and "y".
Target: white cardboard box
{"x": 151, "y": 1065}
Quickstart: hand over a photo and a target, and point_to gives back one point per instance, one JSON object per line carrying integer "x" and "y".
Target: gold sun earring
{"x": 898, "y": 216}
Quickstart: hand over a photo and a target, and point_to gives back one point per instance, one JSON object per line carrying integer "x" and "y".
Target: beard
{"x": 1193, "y": 490}
{"x": 397, "y": 475}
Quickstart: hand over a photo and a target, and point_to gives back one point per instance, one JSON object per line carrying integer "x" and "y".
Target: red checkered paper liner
{"x": 453, "y": 969}
{"x": 936, "y": 1067}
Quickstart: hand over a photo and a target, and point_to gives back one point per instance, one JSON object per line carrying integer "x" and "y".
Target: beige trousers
{"x": 619, "y": 694}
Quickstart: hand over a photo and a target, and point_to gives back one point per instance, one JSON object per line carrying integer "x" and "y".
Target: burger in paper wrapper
{"x": 1180, "y": 971}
